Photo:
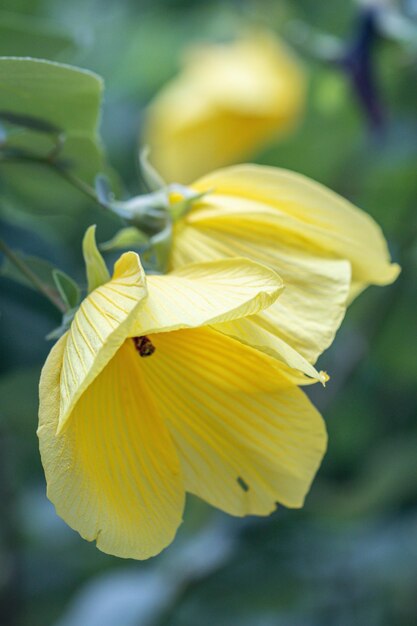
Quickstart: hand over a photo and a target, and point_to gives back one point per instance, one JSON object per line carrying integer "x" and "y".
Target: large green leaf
{"x": 41, "y": 269}
{"x": 24, "y": 35}
{"x": 68, "y": 98}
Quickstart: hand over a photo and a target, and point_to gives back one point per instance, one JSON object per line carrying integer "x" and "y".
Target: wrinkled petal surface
{"x": 99, "y": 328}
{"x": 113, "y": 473}
{"x": 246, "y": 436}
{"x": 206, "y": 293}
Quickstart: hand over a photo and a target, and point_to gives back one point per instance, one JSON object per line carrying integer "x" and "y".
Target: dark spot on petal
{"x": 144, "y": 346}
{"x": 242, "y": 484}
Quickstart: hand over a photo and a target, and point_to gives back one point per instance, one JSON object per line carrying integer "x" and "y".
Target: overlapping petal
{"x": 307, "y": 314}
{"x": 99, "y": 328}
{"x": 113, "y": 473}
{"x": 301, "y": 212}
{"x": 251, "y": 332}
{"x": 206, "y": 293}
{"x": 325, "y": 249}
{"x": 246, "y": 436}
{"x": 205, "y": 413}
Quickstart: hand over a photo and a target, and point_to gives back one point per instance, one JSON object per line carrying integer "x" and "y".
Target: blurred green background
{"x": 350, "y": 556}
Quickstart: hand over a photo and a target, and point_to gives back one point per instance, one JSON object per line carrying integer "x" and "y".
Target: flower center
{"x": 144, "y": 345}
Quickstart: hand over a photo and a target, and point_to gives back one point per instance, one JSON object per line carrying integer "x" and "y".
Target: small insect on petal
{"x": 144, "y": 346}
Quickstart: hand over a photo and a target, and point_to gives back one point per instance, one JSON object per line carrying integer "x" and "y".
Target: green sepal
{"x": 141, "y": 210}
{"x": 67, "y": 318}
{"x": 181, "y": 208}
{"x": 156, "y": 258}
{"x": 103, "y": 190}
{"x": 129, "y": 237}
{"x": 68, "y": 289}
{"x": 96, "y": 269}
{"x": 152, "y": 179}
{"x": 148, "y": 212}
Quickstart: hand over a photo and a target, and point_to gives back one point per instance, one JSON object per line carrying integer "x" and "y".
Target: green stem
{"x": 60, "y": 171}
{"x": 31, "y": 276}
{"x": 76, "y": 182}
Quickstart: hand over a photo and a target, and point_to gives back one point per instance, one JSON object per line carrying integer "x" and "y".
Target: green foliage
{"x": 40, "y": 267}
{"x": 28, "y": 36}
{"x": 67, "y": 288}
{"x": 65, "y": 97}
{"x": 50, "y": 113}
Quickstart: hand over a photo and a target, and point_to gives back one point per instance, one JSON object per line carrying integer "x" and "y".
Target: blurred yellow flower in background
{"x": 123, "y": 437}
{"x": 325, "y": 249}
{"x": 227, "y": 102}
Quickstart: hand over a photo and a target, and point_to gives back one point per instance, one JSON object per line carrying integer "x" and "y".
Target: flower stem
{"x": 31, "y": 276}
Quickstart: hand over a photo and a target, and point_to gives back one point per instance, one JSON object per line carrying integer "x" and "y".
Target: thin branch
{"x": 76, "y": 182}
{"x": 59, "y": 170}
{"x": 31, "y": 276}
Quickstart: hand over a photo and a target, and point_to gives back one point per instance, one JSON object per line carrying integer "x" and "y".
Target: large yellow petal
{"x": 228, "y": 100}
{"x": 309, "y": 311}
{"x": 217, "y": 138}
{"x": 260, "y": 201}
{"x": 206, "y": 293}
{"x": 113, "y": 473}
{"x": 236, "y": 421}
{"x": 99, "y": 328}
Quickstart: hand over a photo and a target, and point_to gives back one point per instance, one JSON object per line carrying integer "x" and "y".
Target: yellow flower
{"x": 325, "y": 249}
{"x": 228, "y": 101}
{"x": 144, "y": 399}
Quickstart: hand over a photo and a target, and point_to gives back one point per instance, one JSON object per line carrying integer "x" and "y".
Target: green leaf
{"x": 68, "y": 289}
{"x": 30, "y": 122}
{"x": 129, "y": 237}
{"x": 26, "y": 35}
{"x": 43, "y": 270}
{"x": 97, "y": 272}
{"x": 65, "y": 96}
{"x": 155, "y": 259}
{"x": 67, "y": 318}
{"x": 48, "y": 95}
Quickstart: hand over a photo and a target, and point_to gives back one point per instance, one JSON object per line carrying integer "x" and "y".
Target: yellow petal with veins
{"x": 250, "y": 331}
{"x": 246, "y": 436}
{"x": 261, "y": 201}
{"x": 206, "y": 293}
{"x": 309, "y": 311}
{"x": 99, "y": 328}
{"x": 113, "y": 473}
